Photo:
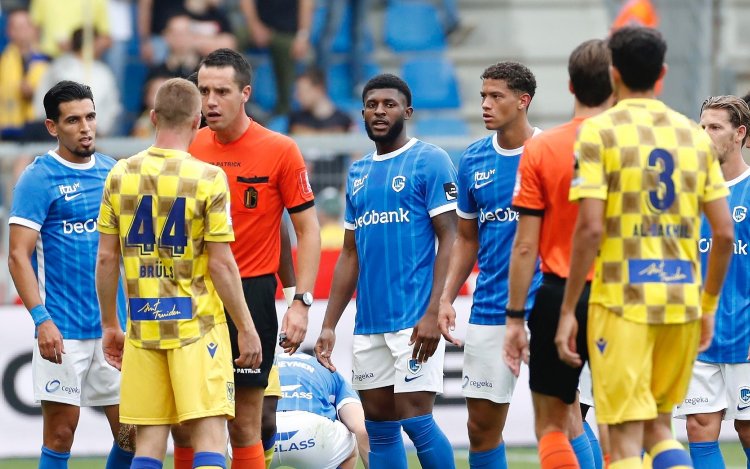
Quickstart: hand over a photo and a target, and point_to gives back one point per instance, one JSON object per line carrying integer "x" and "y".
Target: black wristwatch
{"x": 515, "y": 313}
{"x": 306, "y": 298}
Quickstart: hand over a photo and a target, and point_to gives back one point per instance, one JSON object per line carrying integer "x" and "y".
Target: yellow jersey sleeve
{"x": 589, "y": 180}
{"x": 108, "y": 222}
{"x": 218, "y": 219}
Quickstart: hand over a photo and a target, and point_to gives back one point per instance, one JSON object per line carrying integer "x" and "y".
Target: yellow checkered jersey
{"x": 165, "y": 205}
{"x": 654, "y": 168}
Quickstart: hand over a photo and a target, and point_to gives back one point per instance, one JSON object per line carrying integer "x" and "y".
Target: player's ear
{"x": 152, "y": 117}
{"x": 51, "y": 127}
{"x": 408, "y": 112}
{"x": 246, "y": 92}
{"x": 523, "y": 101}
{"x": 570, "y": 87}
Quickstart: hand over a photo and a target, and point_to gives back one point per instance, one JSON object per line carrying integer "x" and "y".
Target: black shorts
{"x": 548, "y": 375}
{"x": 260, "y": 293}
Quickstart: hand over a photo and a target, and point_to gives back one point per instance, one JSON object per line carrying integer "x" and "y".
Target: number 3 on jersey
{"x": 663, "y": 197}
{"x": 172, "y": 236}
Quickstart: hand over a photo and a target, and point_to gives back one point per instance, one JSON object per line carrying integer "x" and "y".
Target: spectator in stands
{"x": 143, "y": 128}
{"x": 331, "y": 207}
{"x": 210, "y": 28}
{"x": 183, "y": 57}
{"x": 121, "y": 22}
{"x": 151, "y": 24}
{"x": 72, "y": 66}
{"x": 455, "y": 30}
{"x": 22, "y": 67}
{"x": 57, "y": 20}
{"x": 319, "y": 115}
{"x": 284, "y": 27}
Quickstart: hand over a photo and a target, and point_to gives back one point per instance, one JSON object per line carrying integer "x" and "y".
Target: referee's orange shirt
{"x": 542, "y": 186}
{"x": 266, "y": 173}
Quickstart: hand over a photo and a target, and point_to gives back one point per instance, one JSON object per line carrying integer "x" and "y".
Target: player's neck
{"x": 734, "y": 166}
{"x": 393, "y": 145}
{"x": 234, "y": 130}
{"x": 70, "y": 156}
{"x": 581, "y": 111}
{"x": 623, "y": 92}
{"x": 515, "y": 134}
{"x": 172, "y": 140}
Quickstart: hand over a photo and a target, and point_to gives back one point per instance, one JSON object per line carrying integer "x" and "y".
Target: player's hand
{"x": 515, "y": 345}
{"x": 324, "y": 347}
{"x": 261, "y": 35}
{"x": 294, "y": 327}
{"x": 147, "y": 51}
{"x": 565, "y": 340}
{"x": 425, "y": 337}
{"x": 300, "y": 47}
{"x": 447, "y": 322}
{"x": 251, "y": 353}
{"x": 707, "y": 332}
{"x": 50, "y": 341}
{"x": 113, "y": 343}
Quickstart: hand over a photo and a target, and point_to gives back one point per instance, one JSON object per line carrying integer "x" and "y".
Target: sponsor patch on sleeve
{"x": 304, "y": 183}
{"x": 451, "y": 191}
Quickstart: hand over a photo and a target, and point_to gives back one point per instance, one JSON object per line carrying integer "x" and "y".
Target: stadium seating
{"x": 413, "y": 26}
{"x": 264, "y": 85}
{"x": 433, "y": 83}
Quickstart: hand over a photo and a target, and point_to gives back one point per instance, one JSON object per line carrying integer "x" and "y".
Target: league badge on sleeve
{"x": 451, "y": 191}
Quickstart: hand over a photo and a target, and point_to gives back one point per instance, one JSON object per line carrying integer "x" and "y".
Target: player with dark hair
{"x": 644, "y": 175}
{"x": 52, "y": 240}
{"x": 544, "y": 231}
{"x": 486, "y": 225}
{"x": 399, "y": 200}
{"x": 721, "y": 375}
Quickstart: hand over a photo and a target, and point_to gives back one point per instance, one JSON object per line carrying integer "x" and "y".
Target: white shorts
{"x": 585, "y": 387}
{"x": 84, "y": 378}
{"x": 381, "y": 360}
{"x": 485, "y": 374}
{"x": 715, "y": 387}
{"x": 306, "y": 440}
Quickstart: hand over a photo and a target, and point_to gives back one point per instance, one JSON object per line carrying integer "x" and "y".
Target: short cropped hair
{"x": 638, "y": 54}
{"x": 243, "y": 74}
{"x": 588, "y": 68}
{"x": 177, "y": 103}
{"x": 64, "y": 92}
{"x": 516, "y": 76}
{"x": 387, "y": 81}
{"x": 737, "y": 109}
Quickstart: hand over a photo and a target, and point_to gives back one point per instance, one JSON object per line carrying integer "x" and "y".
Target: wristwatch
{"x": 306, "y": 298}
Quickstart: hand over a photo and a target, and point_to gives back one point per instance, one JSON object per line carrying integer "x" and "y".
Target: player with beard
{"x": 399, "y": 199}
{"x": 53, "y": 242}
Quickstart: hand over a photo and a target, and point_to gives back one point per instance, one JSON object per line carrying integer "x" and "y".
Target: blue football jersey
{"x": 486, "y": 178}
{"x": 307, "y": 385}
{"x": 61, "y": 200}
{"x": 390, "y": 202}
{"x": 732, "y": 320}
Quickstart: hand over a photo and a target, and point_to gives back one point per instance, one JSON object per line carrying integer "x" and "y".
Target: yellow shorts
{"x": 274, "y": 384}
{"x": 638, "y": 370}
{"x": 161, "y": 387}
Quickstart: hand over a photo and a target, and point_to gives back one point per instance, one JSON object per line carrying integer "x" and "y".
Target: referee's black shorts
{"x": 549, "y": 375}
{"x": 260, "y": 295}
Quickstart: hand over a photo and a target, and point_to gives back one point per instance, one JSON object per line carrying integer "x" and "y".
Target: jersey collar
{"x": 739, "y": 178}
{"x": 514, "y": 151}
{"x": 394, "y": 153}
{"x": 646, "y": 103}
{"x": 80, "y": 166}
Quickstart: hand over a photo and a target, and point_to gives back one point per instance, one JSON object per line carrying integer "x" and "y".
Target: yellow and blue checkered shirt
{"x": 654, "y": 168}
{"x": 165, "y": 205}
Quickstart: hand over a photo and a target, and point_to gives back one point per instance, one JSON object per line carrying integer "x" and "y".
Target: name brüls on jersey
{"x": 374, "y": 217}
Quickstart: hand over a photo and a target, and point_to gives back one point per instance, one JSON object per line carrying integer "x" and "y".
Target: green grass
{"x": 518, "y": 458}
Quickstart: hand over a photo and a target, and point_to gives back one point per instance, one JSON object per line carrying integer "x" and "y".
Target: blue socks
{"x": 386, "y": 445}
{"x": 433, "y": 448}
{"x": 747, "y": 454}
{"x": 119, "y": 458}
{"x": 490, "y": 459}
{"x": 269, "y": 443}
{"x": 706, "y": 455}
{"x": 51, "y": 459}
{"x": 596, "y": 448}
{"x": 143, "y": 462}
{"x": 208, "y": 459}
{"x": 582, "y": 448}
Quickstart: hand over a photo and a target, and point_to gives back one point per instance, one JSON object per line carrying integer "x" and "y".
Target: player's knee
{"x": 698, "y": 427}
{"x": 743, "y": 431}
{"x": 181, "y": 436}
{"x": 483, "y": 433}
{"x": 242, "y": 433}
{"x": 267, "y": 427}
{"x": 60, "y": 437}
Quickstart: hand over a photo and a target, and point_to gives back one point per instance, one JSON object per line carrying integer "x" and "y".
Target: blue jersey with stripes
{"x": 486, "y": 178}
{"x": 61, "y": 200}
{"x": 307, "y": 385}
{"x": 390, "y": 202}
{"x": 732, "y": 321}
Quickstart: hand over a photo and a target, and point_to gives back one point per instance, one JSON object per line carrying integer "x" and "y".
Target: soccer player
{"x": 544, "y": 231}
{"x": 52, "y": 240}
{"x": 266, "y": 174}
{"x": 320, "y": 419}
{"x": 486, "y": 224}
{"x": 645, "y": 174}
{"x": 399, "y": 200}
{"x": 720, "y": 386}
{"x": 168, "y": 215}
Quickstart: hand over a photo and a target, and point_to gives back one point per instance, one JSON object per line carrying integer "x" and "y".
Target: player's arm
{"x": 722, "y": 232}
{"x": 107, "y": 282}
{"x": 22, "y": 243}
{"x": 587, "y": 237}
{"x": 261, "y": 34}
{"x": 342, "y": 289}
{"x": 353, "y": 417}
{"x": 145, "y": 9}
{"x": 523, "y": 258}
{"x": 286, "y": 265}
{"x": 426, "y": 334}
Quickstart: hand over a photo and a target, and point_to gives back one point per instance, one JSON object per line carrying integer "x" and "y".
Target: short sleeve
{"x": 296, "y": 192}
{"x": 440, "y": 183}
{"x": 715, "y": 185}
{"x": 108, "y": 221}
{"x": 344, "y": 393}
{"x": 31, "y": 199}
{"x": 218, "y": 218}
{"x": 589, "y": 179}
{"x": 349, "y": 214}
{"x": 528, "y": 194}
{"x": 467, "y": 206}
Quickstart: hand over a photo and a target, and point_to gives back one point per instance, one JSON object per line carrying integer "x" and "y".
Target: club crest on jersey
{"x": 414, "y": 366}
{"x": 745, "y": 394}
{"x": 230, "y": 392}
{"x": 601, "y": 344}
{"x": 739, "y": 213}
{"x": 398, "y": 183}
